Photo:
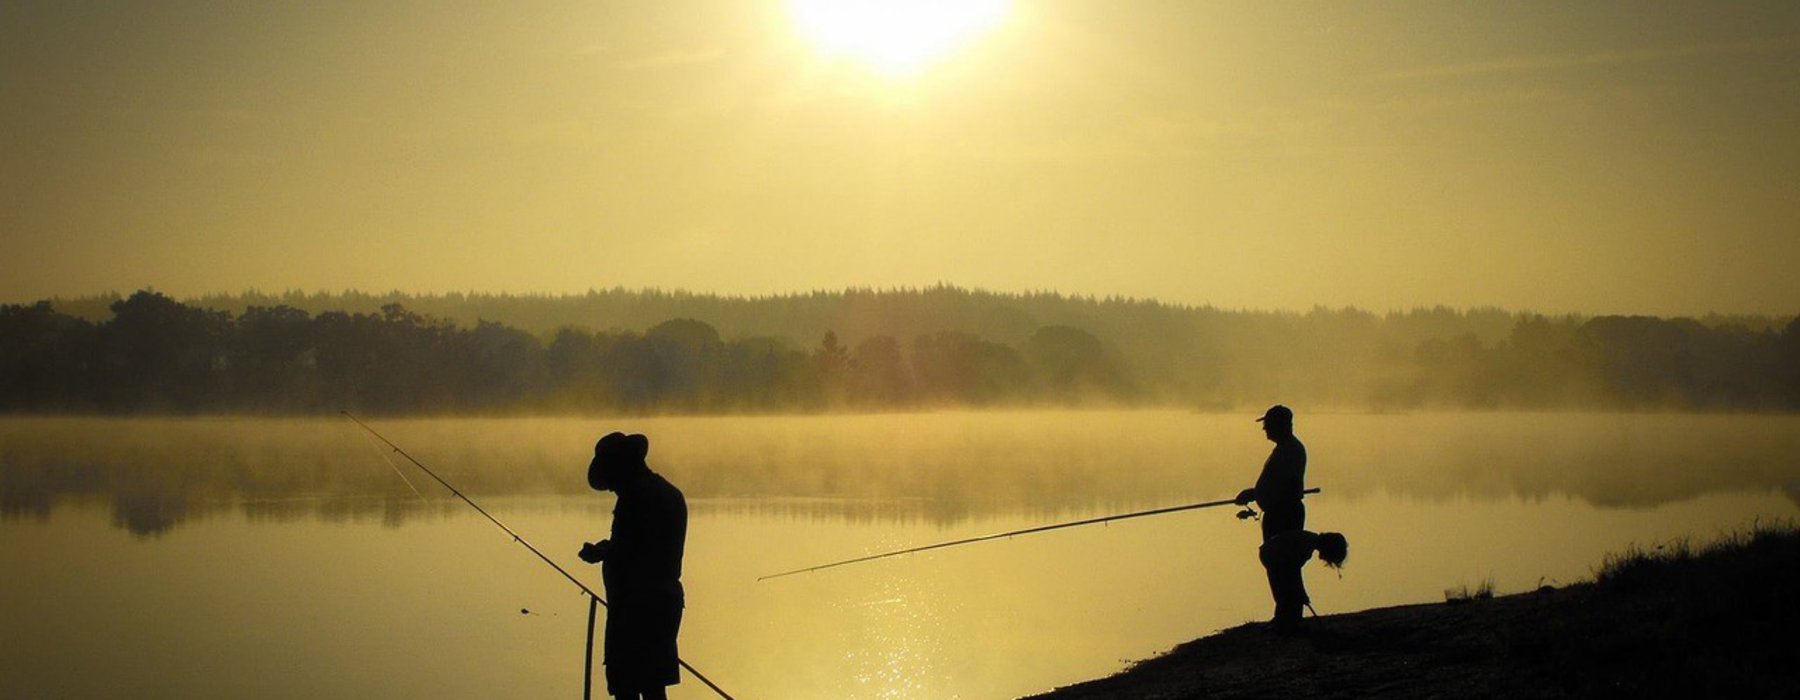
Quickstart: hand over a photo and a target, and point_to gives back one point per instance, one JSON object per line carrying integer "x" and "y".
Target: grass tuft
{"x": 1463, "y": 594}
{"x": 1681, "y": 561}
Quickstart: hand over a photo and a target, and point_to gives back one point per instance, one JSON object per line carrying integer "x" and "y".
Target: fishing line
{"x": 395, "y": 467}
{"x": 595, "y": 601}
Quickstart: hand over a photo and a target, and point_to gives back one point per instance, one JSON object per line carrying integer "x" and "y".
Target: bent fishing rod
{"x": 592, "y": 596}
{"x": 1015, "y": 533}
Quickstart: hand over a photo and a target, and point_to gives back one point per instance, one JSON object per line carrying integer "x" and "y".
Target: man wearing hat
{"x": 1277, "y": 490}
{"x": 641, "y": 567}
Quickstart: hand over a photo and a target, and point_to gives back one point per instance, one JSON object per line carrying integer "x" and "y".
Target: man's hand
{"x": 1246, "y": 496}
{"x": 595, "y": 552}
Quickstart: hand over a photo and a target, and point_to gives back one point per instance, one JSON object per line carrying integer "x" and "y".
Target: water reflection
{"x": 942, "y": 468}
{"x": 233, "y": 607}
{"x": 149, "y": 513}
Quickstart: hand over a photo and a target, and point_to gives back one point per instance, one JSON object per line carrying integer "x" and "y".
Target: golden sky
{"x": 1559, "y": 156}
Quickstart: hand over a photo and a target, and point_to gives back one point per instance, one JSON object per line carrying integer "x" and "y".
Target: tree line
{"x": 864, "y": 350}
{"x": 158, "y": 354}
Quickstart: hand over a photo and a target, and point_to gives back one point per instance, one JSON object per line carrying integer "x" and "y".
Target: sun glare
{"x": 895, "y": 37}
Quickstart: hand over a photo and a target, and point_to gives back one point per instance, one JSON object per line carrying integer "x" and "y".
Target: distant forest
{"x": 870, "y": 350}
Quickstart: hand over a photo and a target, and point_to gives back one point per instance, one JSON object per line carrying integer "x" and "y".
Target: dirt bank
{"x": 1722, "y": 621}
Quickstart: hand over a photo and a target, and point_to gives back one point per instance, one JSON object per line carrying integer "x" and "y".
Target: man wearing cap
{"x": 1277, "y": 489}
{"x": 641, "y": 567}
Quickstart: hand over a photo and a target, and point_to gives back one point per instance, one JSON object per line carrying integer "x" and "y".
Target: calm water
{"x": 284, "y": 558}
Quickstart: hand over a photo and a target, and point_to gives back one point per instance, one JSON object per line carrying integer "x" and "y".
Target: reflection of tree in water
{"x": 1607, "y": 460}
{"x": 159, "y": 473}
{"x": 155, "y": 513}
{"x": 22, "y": 503}
{"x": 149, "y": 513}
{"x": 390, "y": 511}
{"x": 945, "y": 468}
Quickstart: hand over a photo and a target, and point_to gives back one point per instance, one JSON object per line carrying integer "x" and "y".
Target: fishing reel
{"x": 1249, "y": 513}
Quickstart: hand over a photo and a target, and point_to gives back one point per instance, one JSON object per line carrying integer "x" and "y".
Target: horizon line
{"x": 1115, "y": 298}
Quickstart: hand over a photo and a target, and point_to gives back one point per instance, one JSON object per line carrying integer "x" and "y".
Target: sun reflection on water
{"x": 905, "y": 621}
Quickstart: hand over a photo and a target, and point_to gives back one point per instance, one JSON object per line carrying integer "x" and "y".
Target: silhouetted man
{"x": 641, "y": 566}
{"x": 1277, "y": 489}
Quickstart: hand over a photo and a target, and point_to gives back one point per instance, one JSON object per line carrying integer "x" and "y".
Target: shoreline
{"x": 1719, "y": 621}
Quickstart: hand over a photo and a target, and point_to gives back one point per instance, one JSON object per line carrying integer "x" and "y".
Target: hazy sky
{"x": 1562, "y": 156}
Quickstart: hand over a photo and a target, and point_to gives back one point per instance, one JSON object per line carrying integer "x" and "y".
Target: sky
{"x": 1635, "y": 157}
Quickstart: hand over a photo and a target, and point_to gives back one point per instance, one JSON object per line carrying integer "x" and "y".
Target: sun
{"x": 895, "y": 37}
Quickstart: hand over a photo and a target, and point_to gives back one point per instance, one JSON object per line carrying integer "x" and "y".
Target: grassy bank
{"x": 1720, "y": 620}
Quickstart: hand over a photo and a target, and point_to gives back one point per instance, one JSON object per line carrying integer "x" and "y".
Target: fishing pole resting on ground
{"x": 594, "y": 598}
{"x": 1027, "y": 531}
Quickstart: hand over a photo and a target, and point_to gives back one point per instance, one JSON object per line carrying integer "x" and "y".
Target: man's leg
{"x": 1290, "y": 595}
{"x": 1274, "y": 585}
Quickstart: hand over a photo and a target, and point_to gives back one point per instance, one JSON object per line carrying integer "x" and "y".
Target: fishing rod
{"x": 594, "y": 598}
{"x": 1014, "y": 533}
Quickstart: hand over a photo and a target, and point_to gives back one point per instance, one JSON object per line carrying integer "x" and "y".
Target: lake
{"x": 285, "y": 558}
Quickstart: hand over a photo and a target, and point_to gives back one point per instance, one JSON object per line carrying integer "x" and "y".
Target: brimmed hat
{"x": 1277, "y": 414}
{"x": 616, "y": 454}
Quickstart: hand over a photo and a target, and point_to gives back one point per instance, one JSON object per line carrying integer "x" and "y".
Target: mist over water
{"x": 945, "y": 468}
{"x": 233, "y": 557}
